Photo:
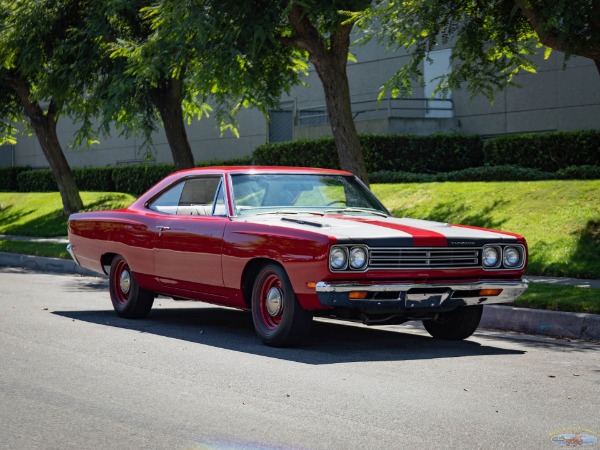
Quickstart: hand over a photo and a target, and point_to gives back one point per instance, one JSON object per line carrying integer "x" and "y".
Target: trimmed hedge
{"x": 547, "y": 152}
{"x": 304, "y": 153}
{"x": 485, "y": 173}
{"x": 130, "y": 179}
{"x": 39, "y": 180}
{"x": 87, "y": 179}
{"x": 396, "y": 158}
{"x": 409, "y": 153}
{"x": 95, "y": 179}
{"x": 136, "y": 180}
{"x": 488, "y": 173}
{"x": 8, "y": 177}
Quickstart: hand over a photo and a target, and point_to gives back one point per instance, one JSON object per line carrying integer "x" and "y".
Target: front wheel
{"x": 128, "y": 299}
{"x": 278, "y": 318}
{"x": 455, "y": 325}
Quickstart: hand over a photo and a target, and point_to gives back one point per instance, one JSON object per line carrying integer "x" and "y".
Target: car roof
{"x": 261, "y": 170}
{"x": 227, "y": 170}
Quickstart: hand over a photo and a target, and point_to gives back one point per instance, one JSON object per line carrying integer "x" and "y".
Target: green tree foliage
{"x": 261, "y": 47}
{"x": 492, "y": 41}
{"x": 37, "y": 82}
{"x": 572, "y": 26}
{"x": 237, "y": 60}
{"x": 141, "y": 79}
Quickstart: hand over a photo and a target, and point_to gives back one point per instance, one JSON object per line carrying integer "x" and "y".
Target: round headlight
{"x": 490, "y": 257}
{"x": 511, "y": 257}
{"x": 337, "y": 258}
{"x": 358, "y": 258}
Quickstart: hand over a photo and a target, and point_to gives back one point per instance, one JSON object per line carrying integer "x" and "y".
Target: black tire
{"x": 279, "y": 320}
{"x": 128, "y": 299}
{"x": 455, "y": 325}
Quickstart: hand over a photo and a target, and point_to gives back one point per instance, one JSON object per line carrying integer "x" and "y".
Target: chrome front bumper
{"x": 412, "y": 296}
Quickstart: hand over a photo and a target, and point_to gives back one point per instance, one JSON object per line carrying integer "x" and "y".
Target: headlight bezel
{"x": 348, "y": 251}
{"x": 353, "y": 256}
{"x": 510, "y": 249}
{"x": 502, "y": 250}
{"x": 341, "y": 254}
{"x": 498, "y": 259}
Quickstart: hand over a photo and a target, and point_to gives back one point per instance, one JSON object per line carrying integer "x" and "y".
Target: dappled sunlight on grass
{"x": 559, "y": 219}
{"x": 40, "y": 213}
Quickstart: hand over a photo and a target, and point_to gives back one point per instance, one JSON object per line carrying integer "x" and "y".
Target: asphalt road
{"x": 74, "y": 375}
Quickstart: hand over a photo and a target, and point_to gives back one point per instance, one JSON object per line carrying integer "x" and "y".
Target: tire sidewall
{"x": 278, "y": 335}
{"x": 138, "y": 302}
{"x": 456, "y": 325}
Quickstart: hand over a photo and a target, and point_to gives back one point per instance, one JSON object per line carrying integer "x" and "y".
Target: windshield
{"x": 294, "y": 193}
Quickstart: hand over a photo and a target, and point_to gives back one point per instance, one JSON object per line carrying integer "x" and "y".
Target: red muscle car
{"x": 292, "y": 243}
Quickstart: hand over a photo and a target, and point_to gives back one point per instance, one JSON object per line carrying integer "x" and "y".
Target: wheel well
{"x": 106, "y": 261}
{"x": 248, "y": 276}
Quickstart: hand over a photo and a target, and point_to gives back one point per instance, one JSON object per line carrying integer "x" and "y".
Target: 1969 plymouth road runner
{"x": 292, "y": 243}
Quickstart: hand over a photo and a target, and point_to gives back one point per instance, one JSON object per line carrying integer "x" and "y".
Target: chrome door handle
{"x": 161, "y": 228}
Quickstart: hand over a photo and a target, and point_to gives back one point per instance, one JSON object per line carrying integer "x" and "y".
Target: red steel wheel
{"x": 128, "y": 299}
{"x": 278, "y": 318}
{"x": 271, "y": 301}
{"x": 121, "y": 282}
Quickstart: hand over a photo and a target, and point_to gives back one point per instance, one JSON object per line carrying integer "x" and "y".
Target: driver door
{"x": 189, "y": 235}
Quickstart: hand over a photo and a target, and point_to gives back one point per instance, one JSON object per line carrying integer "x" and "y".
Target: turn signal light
{"x": 490, "y": 292}
{"x": 357, "y": 295}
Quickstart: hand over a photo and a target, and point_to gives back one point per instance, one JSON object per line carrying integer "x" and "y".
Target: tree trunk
{"x": 69, "y": 193}
{"x": 167, "y": 99}
{"x": 339, "y": 109}
{"x": 330, "y": 60}
{"x": 44, "y": 126}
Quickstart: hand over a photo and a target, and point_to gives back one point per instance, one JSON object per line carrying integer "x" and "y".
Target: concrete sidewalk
{"x": 522, "y": 320}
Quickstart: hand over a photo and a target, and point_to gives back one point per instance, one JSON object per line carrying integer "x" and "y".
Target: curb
{"x": 541, "y": 322}
{"x": 44, "y": 264}
{"x": 507, "y": 318}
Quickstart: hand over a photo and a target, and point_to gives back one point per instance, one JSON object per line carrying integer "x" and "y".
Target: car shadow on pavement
{"x": 329, "y": 343}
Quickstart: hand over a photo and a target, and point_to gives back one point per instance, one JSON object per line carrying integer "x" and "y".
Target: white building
{"x": 552, "y": 99}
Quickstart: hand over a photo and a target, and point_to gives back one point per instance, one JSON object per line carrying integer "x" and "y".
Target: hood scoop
{"x": 304, "y": 222}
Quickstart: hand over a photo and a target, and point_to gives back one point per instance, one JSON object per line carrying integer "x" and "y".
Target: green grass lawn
{"x": 560, "y": 219}
{"x": 560, "y": 298}
{"x": 40, "y": 213}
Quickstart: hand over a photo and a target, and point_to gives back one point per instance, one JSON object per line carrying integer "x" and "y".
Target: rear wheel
{"x": 128, "y": 299}
{"x": 455, "y": 325}
{"x": 278, "y": 318}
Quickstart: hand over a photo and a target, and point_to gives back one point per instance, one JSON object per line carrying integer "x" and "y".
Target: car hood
{"x": 388, "y": 231}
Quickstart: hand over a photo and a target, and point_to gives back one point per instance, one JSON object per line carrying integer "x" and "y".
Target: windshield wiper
{"x": 362, "y": 210}
{"x": 317, "y": 213}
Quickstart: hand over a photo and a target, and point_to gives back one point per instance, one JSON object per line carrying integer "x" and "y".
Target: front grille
{"x": 424, "y": 258}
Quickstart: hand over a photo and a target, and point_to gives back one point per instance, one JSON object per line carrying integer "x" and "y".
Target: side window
{"x": 168, "y": 201}
{"x": 192, "y": 197}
